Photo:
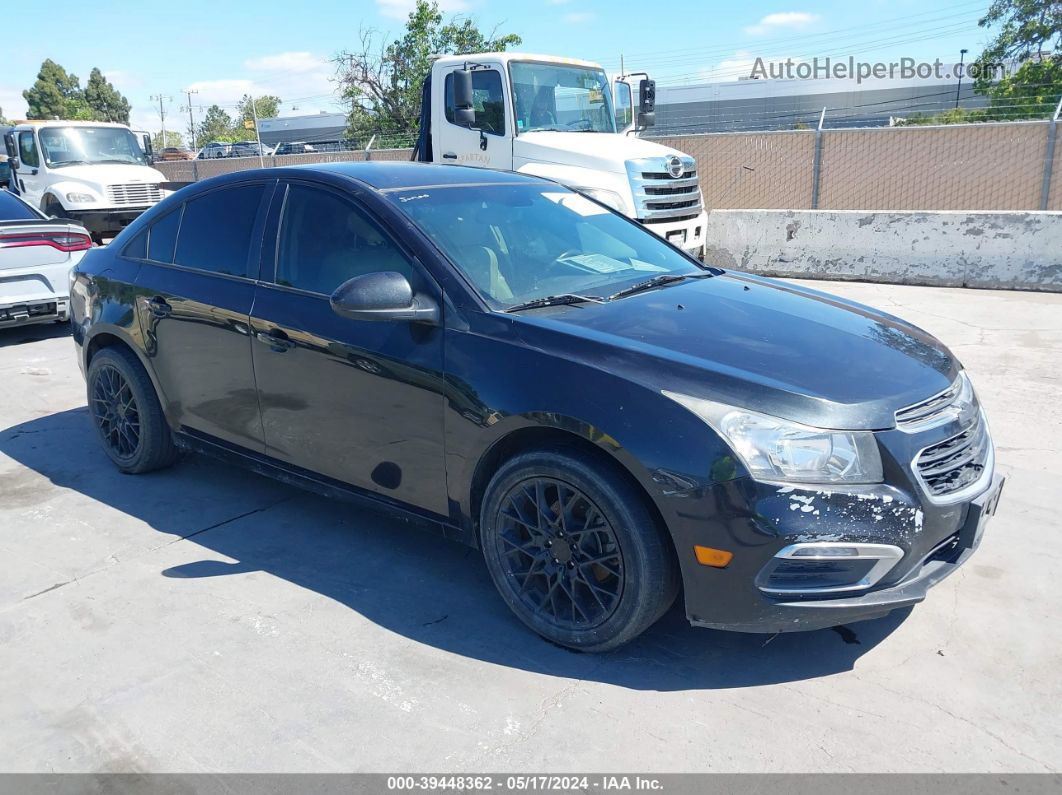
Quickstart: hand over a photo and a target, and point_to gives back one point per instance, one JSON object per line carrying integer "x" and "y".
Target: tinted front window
{"x": 521, "y": 242}
{"x": 12, "y": 209}
{"x": 487, "y": 100}
{"x": 163, "y": 237}
{"x": 216, "y": 230}
{"x": 325, "y": 240}
{"x": 27, "y": 150}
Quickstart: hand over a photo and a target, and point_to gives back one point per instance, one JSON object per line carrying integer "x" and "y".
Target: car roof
{"x": 392, "y": 175}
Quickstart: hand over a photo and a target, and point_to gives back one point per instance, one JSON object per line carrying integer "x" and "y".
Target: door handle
{"x": 450, "y": 155}
{"x": 276, "y": 339}
{"x": 159, "y": 307}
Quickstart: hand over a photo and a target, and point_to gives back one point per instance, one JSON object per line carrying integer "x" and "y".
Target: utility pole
{"x": 622, "y": 72}
{"x": 257, "y": 136}
{"x": 191, "y": 121}
{"x": 162, "y": 115}
{"x": 958, "y": 88}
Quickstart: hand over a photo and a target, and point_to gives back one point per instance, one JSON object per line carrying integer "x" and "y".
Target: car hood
{"x": 603, "y": 151}
{"x": 756, "y": 343}
{"x": 109, "y": 174}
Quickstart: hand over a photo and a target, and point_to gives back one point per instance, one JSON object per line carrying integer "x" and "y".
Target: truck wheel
{"x": 573, "y": 550}
{"x": 127, "y": 414}
{"x": 53, "y": 207}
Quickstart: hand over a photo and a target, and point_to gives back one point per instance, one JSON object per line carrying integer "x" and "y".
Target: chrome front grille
{"x": 949, "y": 467}
{"x": 938, "y": 409}
{"x": 661, "y": 198}
{"x": 137, "y": 194}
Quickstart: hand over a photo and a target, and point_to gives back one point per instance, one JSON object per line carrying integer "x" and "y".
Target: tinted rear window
{"x": 12, "y": 209}
{"x": 163, "y": 237}
{"x": 216, "y": 230}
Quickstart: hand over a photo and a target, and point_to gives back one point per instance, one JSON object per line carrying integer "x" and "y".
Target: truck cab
{"x": 562, "y": 119}
{"x": 96, "y": 173}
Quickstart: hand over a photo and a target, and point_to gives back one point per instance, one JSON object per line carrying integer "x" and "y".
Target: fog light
{"x": 827, "y": 567}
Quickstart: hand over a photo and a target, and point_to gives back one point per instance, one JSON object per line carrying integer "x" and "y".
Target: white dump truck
{"x": 562, "y": 119}
{"x": 95, "y": 173}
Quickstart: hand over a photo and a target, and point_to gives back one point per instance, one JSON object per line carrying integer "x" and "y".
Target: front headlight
{"x": 80, "y": 198}
{"x": 778, "y": 450}
{"x": 606, "y": 197}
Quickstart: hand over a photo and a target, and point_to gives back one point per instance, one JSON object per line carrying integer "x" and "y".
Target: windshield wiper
{"x": 556, "y": 300}
{"x": 657, "y": 281}
{"x": 59, "y": 163}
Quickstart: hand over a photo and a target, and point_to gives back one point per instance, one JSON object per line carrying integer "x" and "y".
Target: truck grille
{"x": 137, "y": 194}
{"x": 660, "y": 198}
{"x": 957, "y": 462}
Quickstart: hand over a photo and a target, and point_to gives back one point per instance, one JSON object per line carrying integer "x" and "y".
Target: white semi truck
{"x": 562, "y": 119}
{"x": 95, "y": 173}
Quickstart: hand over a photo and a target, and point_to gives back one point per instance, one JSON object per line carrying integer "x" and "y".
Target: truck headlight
{"x": 80, "y": 198}
{"x": 606, "y": 197}
{"x": 774, "y": 449}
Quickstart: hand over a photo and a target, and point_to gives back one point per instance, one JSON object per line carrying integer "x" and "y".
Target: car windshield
{"x": 518, "y": 243}
{"x": 87, "y": 145}
{"x": 560, "y": 97}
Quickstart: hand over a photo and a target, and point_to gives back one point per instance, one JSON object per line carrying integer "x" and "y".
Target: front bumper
{"x": 757, "y": 520}
{"x": 106, "y": 221}
{"x": 689, "y": 235}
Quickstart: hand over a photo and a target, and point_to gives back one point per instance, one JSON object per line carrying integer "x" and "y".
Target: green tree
{"x": 1029, "y": 32}
{"x": 56, "y": 94}
{"x": 105, "y": 100}
{"x": 267, "y": 107}
{"x": 172, "y": 139}
{"x": 383, "y": 82}
{"x": 216, "y": 126}
{"x": 3, "y": 119}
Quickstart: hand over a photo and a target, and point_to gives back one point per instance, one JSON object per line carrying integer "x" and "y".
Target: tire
{"x": 126, "y": 413}
{"x": 590, "y": 577}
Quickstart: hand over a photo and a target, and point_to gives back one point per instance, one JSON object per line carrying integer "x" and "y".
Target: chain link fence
{"x": 1005, "y": 166}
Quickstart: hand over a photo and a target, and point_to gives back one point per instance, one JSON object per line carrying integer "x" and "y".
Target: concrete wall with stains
{"x": 1000, "y": 250}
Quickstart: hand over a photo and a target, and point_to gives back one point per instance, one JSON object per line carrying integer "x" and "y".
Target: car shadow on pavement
{"x": 404, "y": 579}
{"x": 20, "y": 335}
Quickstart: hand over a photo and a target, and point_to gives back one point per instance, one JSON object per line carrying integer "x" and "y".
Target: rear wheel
{"x": 127, "y": 414}
{"x": 574, "y": 551}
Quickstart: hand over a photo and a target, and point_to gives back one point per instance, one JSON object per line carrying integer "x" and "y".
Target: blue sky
{"x": 225, "y": 49}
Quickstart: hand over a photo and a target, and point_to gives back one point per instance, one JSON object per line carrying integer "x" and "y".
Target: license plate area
{"x": 678, "y": 237}
{"x": 981, "y": 510}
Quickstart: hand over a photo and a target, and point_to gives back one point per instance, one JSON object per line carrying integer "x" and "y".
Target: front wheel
{"x": 574, "y": 551}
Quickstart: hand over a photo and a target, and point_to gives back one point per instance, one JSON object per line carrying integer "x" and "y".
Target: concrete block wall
{"x": 1001, "y": 250}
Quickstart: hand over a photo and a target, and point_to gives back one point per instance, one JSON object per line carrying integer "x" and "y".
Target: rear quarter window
{"x": 13, "y": 209}
{"x": 163, "y": 237}
{"x": 215, "y": 232}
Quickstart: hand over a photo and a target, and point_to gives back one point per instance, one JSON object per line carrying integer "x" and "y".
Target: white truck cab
{"x": 558, "y": 118}
{"x": 96, "y": 173}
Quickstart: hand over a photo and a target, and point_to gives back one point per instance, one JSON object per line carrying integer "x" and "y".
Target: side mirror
{"x": 646, "y": 102}
{"x": 464, "y": 101}
{"x": 9, "y": 145}
{"x": 385, "y": 295}
{"x": 14, "y": 163}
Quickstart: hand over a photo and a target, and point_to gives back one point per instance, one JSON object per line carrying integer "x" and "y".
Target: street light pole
{"x": 257, "y": 135}
{"x": 958, "y": 88}
{"x": 191, "y": 121}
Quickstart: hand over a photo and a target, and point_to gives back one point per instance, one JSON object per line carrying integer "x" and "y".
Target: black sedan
{"x": 608, "y": 420}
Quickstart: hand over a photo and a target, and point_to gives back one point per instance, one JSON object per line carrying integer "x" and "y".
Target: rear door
{"x": 197, "y": 283}
{"x": 357, "y": 401}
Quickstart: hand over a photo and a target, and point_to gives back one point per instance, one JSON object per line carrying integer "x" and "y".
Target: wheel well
{"x": 101, "y": 341}
{"x": 527, "y": 439}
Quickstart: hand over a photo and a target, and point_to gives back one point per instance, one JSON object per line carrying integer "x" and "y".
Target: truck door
{"x": 624, "y": 106}
{"x": 489, "y": 144}
{"x": 30, "y": 177}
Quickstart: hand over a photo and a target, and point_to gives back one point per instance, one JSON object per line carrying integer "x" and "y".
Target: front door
{"x": 30, "y": 178}
{"x": 357, "y": 401}
{"x": 489, "y": 145}
{"x": 195, "y": 314}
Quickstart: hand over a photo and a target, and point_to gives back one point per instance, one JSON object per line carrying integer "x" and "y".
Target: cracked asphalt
{"x": 207, "y": 619}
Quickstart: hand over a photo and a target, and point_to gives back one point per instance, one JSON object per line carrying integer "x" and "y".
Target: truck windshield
{"x": 561, "y": 97}
{"x": 66, "y": 146}
{"x": 518, "y": 243}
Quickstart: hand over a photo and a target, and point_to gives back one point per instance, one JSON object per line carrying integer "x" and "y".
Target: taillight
{"x": 64, "y": 241}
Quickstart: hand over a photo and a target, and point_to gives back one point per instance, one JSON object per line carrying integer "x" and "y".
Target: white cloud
{"x": 781, "y": 21}
{"x": 578, "y": 17}
{"x": 735, "y": 67}
{"x": 399, "y": 9}
{"x": 122, "y": 80}
{"x": 286, "y": 62}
